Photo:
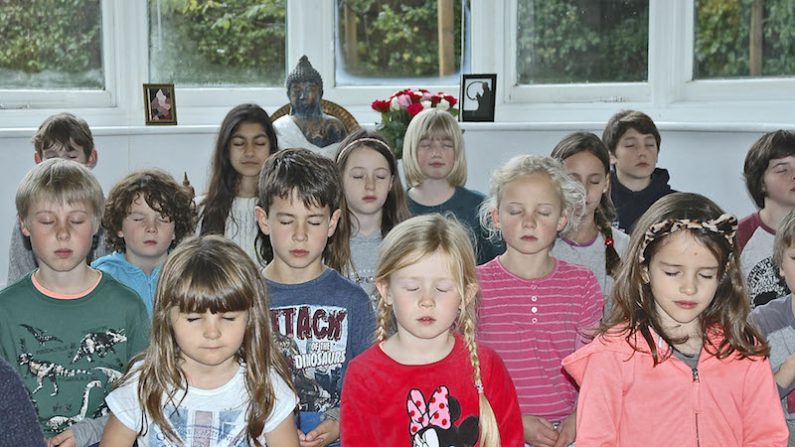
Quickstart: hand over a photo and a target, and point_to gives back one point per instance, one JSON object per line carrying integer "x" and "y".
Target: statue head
{"x": 304, "y": 88}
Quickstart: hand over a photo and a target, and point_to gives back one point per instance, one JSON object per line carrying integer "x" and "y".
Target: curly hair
{"x": 572, "y": 193}
{"x": 161, "y": 192}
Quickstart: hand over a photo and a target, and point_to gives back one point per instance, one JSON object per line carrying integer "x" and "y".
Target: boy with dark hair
{"x": 69, "y": 330}
{"x": 60, "y": 136}
{"x": 321, "y": 319}
{"x": 635, "y": 181}
{"x": 769, "y": 173}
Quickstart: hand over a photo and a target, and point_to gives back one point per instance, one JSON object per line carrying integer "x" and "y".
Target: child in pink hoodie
{"x": 677, "y": 362}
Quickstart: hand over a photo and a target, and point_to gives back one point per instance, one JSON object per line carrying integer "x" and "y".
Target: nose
{"x": 369, "y": 182}
{"x": 427, "y": 300}
{"x": 688, "y": 286}
{"x": 211, "y": 329}
{"x": 151, "y": 225}
{"x": 300, "y": 233}
{"x": 529, "y": 220}
{"x": 62, "y": 232}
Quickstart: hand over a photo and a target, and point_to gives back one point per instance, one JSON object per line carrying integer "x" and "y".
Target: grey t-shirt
{"x": 364, "y": 256}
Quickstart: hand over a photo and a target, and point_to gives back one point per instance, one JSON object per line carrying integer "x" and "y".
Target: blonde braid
{"x": 384, "y": 320}
{"x": 489, "y": 430}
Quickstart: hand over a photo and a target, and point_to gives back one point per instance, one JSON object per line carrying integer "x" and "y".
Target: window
{"x": 582, "y": 41}
{"x": 749, "y": 38}
{"x": 393, "y": 42}
{"x": 51, "y": 45}
{"x": 217, "y": 44}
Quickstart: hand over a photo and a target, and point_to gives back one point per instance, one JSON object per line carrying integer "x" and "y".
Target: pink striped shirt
{"x": 533, "y": 324}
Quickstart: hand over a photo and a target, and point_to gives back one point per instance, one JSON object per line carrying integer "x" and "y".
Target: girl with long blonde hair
{"x": 426, "y": 381}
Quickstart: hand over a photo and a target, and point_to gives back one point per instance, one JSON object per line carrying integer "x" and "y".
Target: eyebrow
{"x": 283, "y": 214}
{"x": 680, "y": 266}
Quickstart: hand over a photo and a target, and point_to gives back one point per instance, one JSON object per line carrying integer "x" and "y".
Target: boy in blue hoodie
{"x": 146, "y": 214}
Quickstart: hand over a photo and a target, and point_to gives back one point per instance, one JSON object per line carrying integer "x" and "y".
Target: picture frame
{"x": 160, "y": 106}
{"x": 478, "y": 96}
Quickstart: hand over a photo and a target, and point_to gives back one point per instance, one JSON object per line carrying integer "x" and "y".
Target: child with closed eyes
{"x": 245, "y": 140}
{"x": 537, "y": 309}
{"x": 375, "y": 197}
{"x": 212, "y": 374}
{"x": 677, "y": 362}
{"x": 426, "y": 382}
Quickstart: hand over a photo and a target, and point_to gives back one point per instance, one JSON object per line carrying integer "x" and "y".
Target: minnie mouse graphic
{"x": 431, "y": 422}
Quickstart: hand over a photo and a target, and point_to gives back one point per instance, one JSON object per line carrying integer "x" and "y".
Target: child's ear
{"x": 37, "y": 157}
{"x": 469, "y": 294}
{"x": 607, "y": 184}
{"x": 644, "y": 275}
{"x": 495, "y": 218}
{"x": 563, "y": 220}
{"x": 613, "y": 158}
{"x": 335, "y": 219}
{"x": 92, "y": 159}
{"x": 262, "y": 220}
{"x": 23, "y": 227}
{"x": 383, "y": 291}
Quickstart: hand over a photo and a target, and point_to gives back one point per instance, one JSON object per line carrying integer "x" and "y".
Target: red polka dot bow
{"x": 435, "y": 412}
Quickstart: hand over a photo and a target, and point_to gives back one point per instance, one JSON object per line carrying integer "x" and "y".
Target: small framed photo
{"x": 478, "y": 97}
{"x": 160, "y": 105}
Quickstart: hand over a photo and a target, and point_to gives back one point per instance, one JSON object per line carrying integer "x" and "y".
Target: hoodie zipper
{"x": 697, "y": 409}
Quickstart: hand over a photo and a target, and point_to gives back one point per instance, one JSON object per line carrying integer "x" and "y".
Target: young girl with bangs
{"x": 593, "y": 243}
{"x": 436, "y": 172}
{"x": 536, "y": 309}
{"x": 426, "y": 382}
{"x": 212, "y": 374}
{"x": 375, "y": 197}
{"x": 245, "y": 140}
{"x": 676, "y": 362}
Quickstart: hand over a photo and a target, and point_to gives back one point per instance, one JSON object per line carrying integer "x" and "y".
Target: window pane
{"x": 391, "y": 42}
{"x": 217, "y": 44}
{"x": 568, "y": 41}
{"x": 724, "y": 47}
{"x": 48, "y": 44}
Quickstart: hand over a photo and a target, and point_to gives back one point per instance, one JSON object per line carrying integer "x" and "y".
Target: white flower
{"x": 443, "y": 105}
{"x": 426, "y": 104}
{"x": 393, "y": 105}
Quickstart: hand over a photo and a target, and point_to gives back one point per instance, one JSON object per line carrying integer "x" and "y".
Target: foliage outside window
{"x": 397, "y": 40}
{"x": 217, "y": 44}
{"x": 578, "y": 41}
{"x": 49, "y": 44}
{"x": 725, "y": 46}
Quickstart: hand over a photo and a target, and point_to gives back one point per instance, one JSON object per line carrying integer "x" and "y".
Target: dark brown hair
{"x": 316, "y": 182}
{"x": 161, "y": 192}
{"x": 224, "y": 179}
{"x": 395, "y": 209}
{"x": 634, "y": 311}
{"x": 772, "y": 145}
{"x": 66, "y": 130}
{"x": 625, "y": 120}
{"x": 605, "y": 214}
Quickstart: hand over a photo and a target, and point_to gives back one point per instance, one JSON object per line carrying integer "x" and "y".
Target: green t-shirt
{"x": 68, "y": 351}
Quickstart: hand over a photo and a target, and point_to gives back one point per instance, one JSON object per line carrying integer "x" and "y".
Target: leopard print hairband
{"x": 725, "y": 224}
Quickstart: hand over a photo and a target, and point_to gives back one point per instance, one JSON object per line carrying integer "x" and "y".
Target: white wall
{"x": 708, "y": 161}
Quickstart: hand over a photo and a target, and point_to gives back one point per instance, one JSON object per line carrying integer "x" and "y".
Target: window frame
{"x": 670, "y": 94}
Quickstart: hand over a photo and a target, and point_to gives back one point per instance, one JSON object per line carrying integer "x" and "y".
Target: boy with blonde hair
{"x": 66, "y": 136}
{"x": 68, "y": 329}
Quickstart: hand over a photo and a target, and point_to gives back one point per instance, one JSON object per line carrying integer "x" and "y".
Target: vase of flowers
{"x": 398, "y": 110}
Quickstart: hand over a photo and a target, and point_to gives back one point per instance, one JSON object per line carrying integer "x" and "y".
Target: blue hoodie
{"x": 117, "y": 266}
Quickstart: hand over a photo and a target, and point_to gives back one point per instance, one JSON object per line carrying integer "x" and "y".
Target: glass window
{"x": 579, "y": 41}
{"x": 217, "y": 44}
{"x": 51, "y": 45}
{"x": 391, "y": 42}
{"x": 744, "y": 38}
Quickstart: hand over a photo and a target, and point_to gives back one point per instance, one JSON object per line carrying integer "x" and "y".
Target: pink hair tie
{"x": 609, "y": 242}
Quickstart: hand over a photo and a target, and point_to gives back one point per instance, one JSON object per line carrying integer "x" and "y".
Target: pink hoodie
{"x": 626, "y": 401}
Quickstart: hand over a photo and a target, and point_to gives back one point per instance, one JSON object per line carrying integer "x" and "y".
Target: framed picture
{"x": 478, "y": 97}
{"x": 160, "y": 105}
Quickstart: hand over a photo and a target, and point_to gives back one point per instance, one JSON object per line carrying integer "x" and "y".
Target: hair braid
{"x": 612, "y": 259}
{"x": 489, "y": 430}
{"x": 384, "y": 320}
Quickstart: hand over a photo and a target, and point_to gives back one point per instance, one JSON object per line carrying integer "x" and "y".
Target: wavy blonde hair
{"x": 406, "y": 244}
{"x": 208, "y": 273}
{"x": 427, "y": 124}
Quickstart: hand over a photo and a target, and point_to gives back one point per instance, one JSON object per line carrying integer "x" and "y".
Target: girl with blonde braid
{"x": 426, "y": 381}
